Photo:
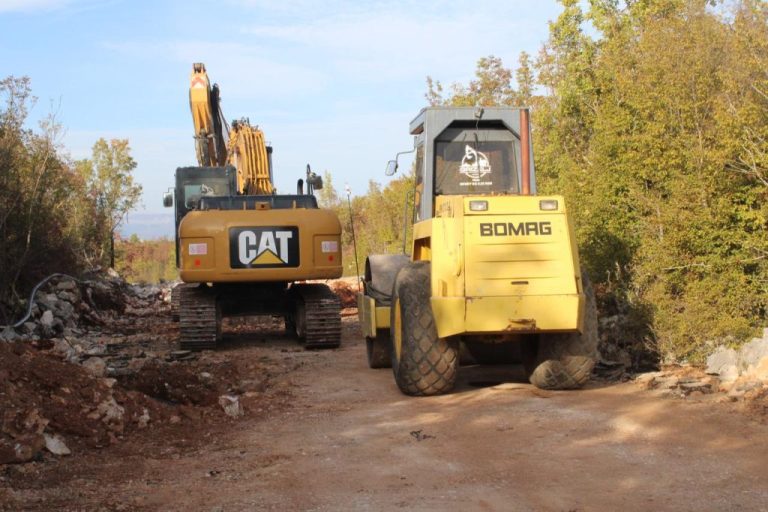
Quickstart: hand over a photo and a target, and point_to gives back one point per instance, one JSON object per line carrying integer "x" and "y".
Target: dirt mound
{"x": 41, "y": 396}
{"x": 45, "y": 400}
{"x": 97, "y": 361}
{"x": 346, "y": 289}
{"x": 198, "y": 383}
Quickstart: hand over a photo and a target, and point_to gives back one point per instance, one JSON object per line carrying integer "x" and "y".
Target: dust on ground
{"x": 318, "y": 430}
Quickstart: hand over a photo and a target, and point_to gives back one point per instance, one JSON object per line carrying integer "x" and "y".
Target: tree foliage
{"x": 378, "y": 219}
{"x": 50, "y": 219}
{"x": 656, "y": 131}
{"x": 146, "y": 261}
{"x": 109, "y": 179}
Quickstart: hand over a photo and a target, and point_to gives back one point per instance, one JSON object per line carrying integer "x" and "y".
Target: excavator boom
{"x": 246, "y": 149}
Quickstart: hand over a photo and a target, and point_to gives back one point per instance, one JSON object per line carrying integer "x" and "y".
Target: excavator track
{"x": 199, "y": 318}
{"x": 318, "y": 315}
{"x": 176, "y": 300}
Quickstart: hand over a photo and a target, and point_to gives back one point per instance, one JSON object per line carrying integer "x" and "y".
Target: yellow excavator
{"x": 242, "y": 249}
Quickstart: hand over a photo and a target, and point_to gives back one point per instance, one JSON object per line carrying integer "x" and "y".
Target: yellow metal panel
{"x": 449, "y": 315}
{"x": 327, "y": 250}
{"x": 365, "y": 312}
{"x": 203, "y": 255}
{"x": 528, "y": 253}
{"x": 422, "y": 229}
{"x": 215, "y": 225}
{"x": 524, "y": 313}
{"x": 498, "y": 315}
{"x": 382, "y": 317}
{"x": 513, "y": 205}
{"x": 447, "y": 258}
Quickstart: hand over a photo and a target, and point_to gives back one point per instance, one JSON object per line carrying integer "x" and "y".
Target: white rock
{"x": 95, "y": 366}
{"x": 144, "y": 419}
{"x": 47, "y": 318}
{"x": 67, "y": 296}
{"x": 759, "y": 370}
{"x": 231, "y": 405}
{"x": 8, "y": 334}
{"x": 55, "y": 444}
{"x": 752, "y": 353}
{"x": 110, "y": 410}
{"x": 66, "y": 285}
{"x": 724, "y": 362}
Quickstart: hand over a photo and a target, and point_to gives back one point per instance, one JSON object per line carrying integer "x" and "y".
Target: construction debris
{"x": 97, "y": 361}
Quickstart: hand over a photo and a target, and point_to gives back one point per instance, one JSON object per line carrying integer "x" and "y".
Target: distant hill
{"x": 148, "y": 225}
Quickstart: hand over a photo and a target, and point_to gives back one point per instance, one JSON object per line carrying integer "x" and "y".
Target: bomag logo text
{"x": 264, "y": 247}
{"x": 512, "y": 229}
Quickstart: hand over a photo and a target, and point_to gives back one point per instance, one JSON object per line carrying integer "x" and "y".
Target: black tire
{"x": 423, "y": 364}
{"x": 379, "y": 352}
{"x": 564, "y": 361}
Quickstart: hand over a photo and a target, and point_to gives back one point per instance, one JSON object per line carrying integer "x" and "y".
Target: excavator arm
{"x": 246, "y": 149}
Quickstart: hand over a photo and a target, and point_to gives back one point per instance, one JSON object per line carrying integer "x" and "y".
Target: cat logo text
{"x": 264, "y": 247}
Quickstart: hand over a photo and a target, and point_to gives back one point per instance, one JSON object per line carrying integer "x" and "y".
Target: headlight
{"x": 548, "y": 205}
{"x": 478, "y": 206}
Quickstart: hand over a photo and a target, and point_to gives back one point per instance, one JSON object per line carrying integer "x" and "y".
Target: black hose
{"x": 32, "y": 296}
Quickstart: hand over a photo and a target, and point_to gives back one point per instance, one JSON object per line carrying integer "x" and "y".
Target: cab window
{"x": 469, "y": 161}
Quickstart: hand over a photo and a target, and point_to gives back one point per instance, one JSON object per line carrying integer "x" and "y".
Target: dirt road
{"x": 344, "y": 438}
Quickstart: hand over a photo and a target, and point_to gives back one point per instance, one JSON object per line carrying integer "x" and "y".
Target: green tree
{"x": 109, "y": 175}
{"x": 492, "y": 86}
{"x": 43, "y": 203}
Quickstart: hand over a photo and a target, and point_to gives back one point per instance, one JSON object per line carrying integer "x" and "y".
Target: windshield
{"x": 207, "y": 186}
{"x": 469, "y": 161}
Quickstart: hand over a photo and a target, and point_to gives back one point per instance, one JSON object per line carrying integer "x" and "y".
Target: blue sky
{"x": 332, "y": 83}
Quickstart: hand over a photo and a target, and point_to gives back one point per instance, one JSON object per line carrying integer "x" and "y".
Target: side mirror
{"x": 168, "y": 199}
{"x": 391, "y": 168}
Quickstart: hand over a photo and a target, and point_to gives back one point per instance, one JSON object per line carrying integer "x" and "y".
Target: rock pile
{"x": 64, "y": 306}
{"x": 731, "y": 376}
{"x": 680, "y": 382}
{"x": 48, "y": 404}
{"x": 746, "y": 368}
